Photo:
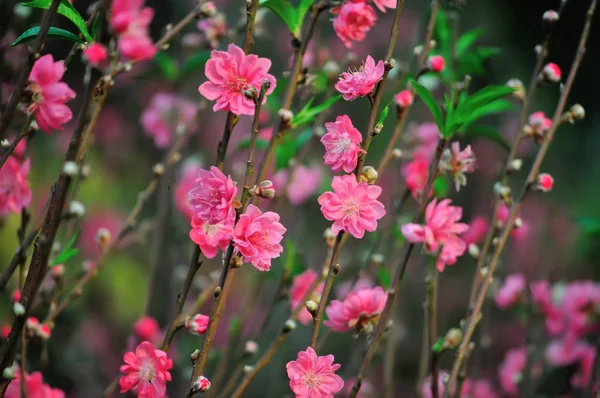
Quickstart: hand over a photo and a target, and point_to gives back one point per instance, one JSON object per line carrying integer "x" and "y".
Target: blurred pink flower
{"x": 424, "y": 139}
{"x": 49, "y": 94}
{"x": 511, "y": 292}
{"x": 304, "y": 183}
{"x": 166, "y": 114}
{"x": 359, "y": 310}
{"x": 186, "y": 183}
{"x": 146, "y": 328}
{"x": 146, "y": 371}
{"x": 510, "y": 370}
{"x": 231, "y": 72}
{"x": 211, "y": 237}
{"x": 131, "y": 24}
{"x": 415, "y": 175}
{"x": 477, "y": 230}
{"x": 299, "y": 288}
{"x": 382, "y": 4}
{"x": 214, "y": 29}
{"x": 579, "y": 301}
{"x": 314, "y": 376}
{"x": 457, "y": 163}
{"x": 564, "y": 352}
{"x": 342, "y": 144}
{"x": 353, "y": 20}
{"x": 257, "y": 236}
{"x": 34, "y": 385}
{"x": 441, "y": 229}
{"x": 360, "y": 82}
{"x": 518, "y": 234}
{"x": 197, "y": 324}
{"x": 470, "y": 389}
{"x": 541, "y": 294}
{"x": 96, "y": 55}
{"x": 352, "y": 206}
{"x": 213, "y": 196}
{"x": 15, "y": 193}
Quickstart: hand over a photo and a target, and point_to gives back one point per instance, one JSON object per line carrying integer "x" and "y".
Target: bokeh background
{"x": 89, "y": 339}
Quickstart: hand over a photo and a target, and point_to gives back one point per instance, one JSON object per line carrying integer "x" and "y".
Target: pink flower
{"x": 185, "y": 184}
{"x": 359, "y": 310}
{"x": 298, "y": 290}
{"x": 510, "y": 370}
{"x": 166, "y": 114}
{"x": 15, "y": 193}
{"x": 49, "y": 94}
{"x": 441, "y": 229}
{"x": 404, "y": 99}
{"x": 96, "y": 55}
{"x": 312, "y": 376}
{"x": 564, "y": 352}
{"x": 146, "y": 328}
{"x": 214, "y": 29}
{"x": 477, "y": 230}
{"x": 130, "y": 22}
{"x": 352, "y": 206}
{"x": 579, "y": 301}
{"x": 229, "y": 74}
{"x": 362, "y": 81}
{"x": 415, "y": 175}
{"x": 146, "y": 371}
{"x": 541, "y": 294}
{"x": 34, "y": 385}
{"x": 305, "y": 181}
{"x": 353, "y": 20}
{"x": 257, "y": 235}
{"x": 436, "y": 63}
{"x": 539, "y": 122}
{"x": 382, "y": 4}
{"x": 552, "y": 72}
{"x": 457, "y": 163}
{"x": 518, "y": 233}
{"x": 213, "y": 196}
{"x": 342, "y": 144}
{"x": 211, "y": 237}
{"x": 197, "y": 324}
{"x": 511, "y": 292}
{"x": 544, "y": 182}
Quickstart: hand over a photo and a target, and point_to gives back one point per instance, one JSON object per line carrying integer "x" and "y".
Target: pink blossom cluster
{"x": 360, "y": 310}
{"x": 15, "y": 192}
{"x": 130, "y": 21}
{"x": 354, "y": 18}
{"x": 34, "y": 385}
{"x": 166, "y": 114}
{"x": 300, "y": 287}
{"x": 424, "y": 142}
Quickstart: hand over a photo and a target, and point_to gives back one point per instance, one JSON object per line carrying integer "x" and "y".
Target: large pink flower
{"x": 15, "y": 193}
{"x": 257, "y": 236}
{"x": 166, "y": 114}
{"x": 342, "y": 144}
{"x": 510, "y": 371}
{"x": 441, "y": 229}
{"x": 34, "y": 385}
{"x": 511, "y": 292}
{"x": 352, "y": 206}
{"x": 130, "y": 21}
{"x": 362, "y": 81}
{"x": 213, "y": 196}
{"x": 229, "y": 73}
{"x": 298, "y": 290}
{"x": 49, "y": 94}
{"x": 353, "y": 21}
{"x": 359, "y": 310}
{"x": 312, "y": 376}
{"x": 146, "y": 371}
{"x": 186, "y": 183}
{"x": 211, "y": 237}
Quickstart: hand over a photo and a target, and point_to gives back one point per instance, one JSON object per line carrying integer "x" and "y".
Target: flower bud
{"x": 70, "y": 168}
{"x": 418, "y": 50}
{"x": 550, "y": 17}
{"x": 288, "y": 326}
{"x": 474, "y": 250}
{"x": 502, "y": 190}
{"x": 518, "y": 222}
{"x": 265, "y": 189}
{"x": 436, "y": 63}
{"x": 85, "y": 170}
{"x": 544, "y": 182}
{"x": 396, "y": 153}
{"x": 58, "y": 271}
{"x": 76, "y": 209}
{"x": 103, "y": 237}
{"x": 377, "y": 258}
{"x": 43, "y": 331}
{"x": 208, "y": 9}
{"x": 453, "y": 338}
{"x": 236, "y": 260}
{"x": 517, "y": 84}
{"x": 514, "y": 165}
{"x": 576, "y": 113}
{"x": 248, "y": 369}
{"x": 250, "y": 92}
{"x": 9, "y": 373}
{"x": 285, "y": 115}
{"x": 368, "y": 175}
{"x": 5, "y": 144}
{"x": 32, "y": 324}
{"x": 329, "y": 237}
{"x": 18, "y": 309}
{"x": 404, "y": 99}
{"x": 16, "y": 296}
{"x": 312, "y": 307}
{"x": 552, "y": 73}
{"x": 331, "y": 69}
{"x": 158, "y": 169}
{"x": 251, "y": 348}
{"x": 201, "y": 384}
{"x": 377, "y": 129}
{"x": 197, "y": 324}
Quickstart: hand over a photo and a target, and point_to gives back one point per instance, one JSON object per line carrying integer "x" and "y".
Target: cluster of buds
{"x": 265, "y": 190}
{"x": 196, "y": 324}
{"x": 37, "y": 329}
{"x": 537, "y": 126}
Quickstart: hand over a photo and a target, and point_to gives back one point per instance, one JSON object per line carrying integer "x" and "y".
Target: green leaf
{"x": 489, "y": 133}
{"x": 441, "y": 187}
{"x": 385, "y": 280}
{"x": 465, "y": 41}
{"x": 66, "y": 9}
{"x": 301, "y": 11}
{"x": 303, "y": 138}
{"x": 307, "y": 114}
{"x": 55, "y": 33}
{"x": 438, "y": 347}
{"x": 483, "y": 97}
{"x": 167, "y": 65}
{"x": 68, "y": 251}
{"x": 194, "y": 63}
{"x": 95, "y": 28}
{"x": 284, "y": 152}
{"x": 443, "y": 35}
{"x": 260, "y": 143}
{"x": 384, "y": 113}
{"x": 284, "y": 10}
{"x": 492, "y": 108}
{"x": 589, "y": 226}
{"x": 430, "y": 102}
{"x": 487, "y": 52}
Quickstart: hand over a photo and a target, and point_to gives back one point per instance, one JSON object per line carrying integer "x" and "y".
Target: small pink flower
{"x": 257, "y": 235}
{"x": 15, "y": 193}
{"x": 211, "y": 237}
{"x": 49, "y": 94}
{"x": 404, "y": 99}
{"x": 541, "y": 294}
{"x": 539, "y": 122}
{"x": 511, "y": 292}
{"x": 342, "y": 144}
{"x": 510, "y": 371}
{"x": 166, "y": 114}
{"x": 362, "y": 81}
{"x": 353, "y": 20}
{"x": 436, "y": 63}
{"x": 415, "y": 175}
{"x": 544, "y": 182}
{"x": 477, "y": 230}
{"x": 229, "y": 73}
{"x": 457, "y": 163}
{"x": 360, "y": 310}
{"x": 146, "y": 371}
{"x": 186, "y": 183}
{"x": 579, "y": 301}
{"x": 312, "y": 376}
{"x": 34, "y": 385}
{"x": 146, "y": 328}
{"x": 96, "y": 55}
{"x": 352, "y": 206}
{"x": 197, "y": 324}
{"x": 298, "y": 290}
{"x": 441, "y": 229}
{"x": 213, "y": 196}
{"x": 552, "y": 72}
{"x": 131, "y": 22}
{"x": 214, "y": 29}
{"x": 518, "y": 233}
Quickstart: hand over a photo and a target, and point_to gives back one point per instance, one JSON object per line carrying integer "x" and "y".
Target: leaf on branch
{"x": 308, "y": 114}
{"x": 430, "y": 102}
{"x": 466, "y": 40}
{"x": 286, "y": 12}
{"x": 167, "y": 65}
{"x": 260, "y": 143}
{"x": 55, "y": 33}
{"x": 67, "y": 252}
{"x": 441, "y": 187}
{"x": 65, "y": 9}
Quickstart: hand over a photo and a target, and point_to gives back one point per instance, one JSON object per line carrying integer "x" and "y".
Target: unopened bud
{"x": 237, "y": 260}
{"x": 76, "y": 209}
{"x": 368, "y": 175}
{"x": 85, "y": 170}
{"x": 518, "y": 222}
{"x": 43, "y": 332}
{"x": 201, "y": 384}
{"x": 391, "y": 64}
{"x": 576, "y": 113}
{"x": 517, "y": 85}
{"x": 9, "y": 373}
{"x": 550, "y": 17}
{"x": 208, "y": 9}
{"x": 537, "y": 49}
{"x": 453, "y": 338}
{"x": 251, "y": 348}
{"x": 404, "y": 99}
{"x": 474, "y": 250}
{"x": 18, "y": 309}
{"x": 544, "y": 182}
{"x": 285, "y": 115}
{"x": 418, "y": 50}
{"x": 377, "y": 129}
{"x": 552, "y": 73}
{"x": 70, "y": 168}
{"x": 312, "y": 307}
{"x": 495, "y": 241}
{"x": 329, "y": 237}
{"x": 436, "y": 63}
{"x": 158, "y": 169}
{"x": 58, "y": 271}
{"x": 103, "y": 237}
{"x": 396, "y": 153}
{"x": 266, "y": 189}
{"x": 527, "y": 130}
{"x": 331, "y": 69}
{"x": 5, "y": 144}
{"x": 32, "y": 324}
{"x": 432, "y": 44}
{"x": 501, "y": 190}
{"x": 377, "y": 258}
{"x": 248, "y": 369}
{"x": 483, "y": 271}
{"x": 514, "y": 165}
{"x": 288, "y": 326}
{"x": 250, "y": 92}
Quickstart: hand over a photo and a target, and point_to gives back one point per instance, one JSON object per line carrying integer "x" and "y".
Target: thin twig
{"x": 27, "y": 130}
{"x": 431, "y": 305}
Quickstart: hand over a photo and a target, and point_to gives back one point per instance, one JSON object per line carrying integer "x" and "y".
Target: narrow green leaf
{"x": 66, "y": 9}
{"x": 55, "y": 33}
{"x": 483, "y": 97}
{"x": 443, "y": 35}
{"x": 302, "y": 139}
{"x": 384, "y": 113}
{"x": 65, "y": 256}
{"x": 441, "y": 187}
{"x": 167, "y": 65}
{"x": 301, "y": 11}
{"x": 284, "y": 10}
{"x": 260, "y": 144}
{"x": 466, "y": 40}
{"x": 194, "y": 63}
{"x": 491, "y": 108}
{"x": 307, "y": 114}
{"x": 487, "y": 52}
{"x": 284, "y": 152}
{"x": 385, "y": 279}
{"x": 95, "y": 27}
{"x": 489, "y": 133}
{"x": 430, "y": 102}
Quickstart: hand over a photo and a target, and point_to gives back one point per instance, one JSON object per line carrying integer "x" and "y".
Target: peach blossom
{"x": 146, "y": 371}
{"x": 359, "y": 310}
{"x": 298, "y": 290}
{"x": 362, "y": 81}
{"x": 342, "y": 144}
{"x": 313, "y": 376}
{"x": 213, "y": 196}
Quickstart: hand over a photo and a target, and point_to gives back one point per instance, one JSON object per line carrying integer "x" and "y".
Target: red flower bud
{"x": 436, "y": 63}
